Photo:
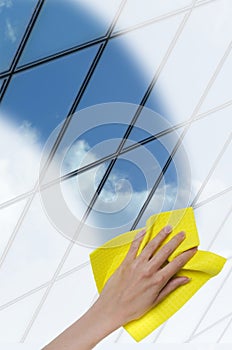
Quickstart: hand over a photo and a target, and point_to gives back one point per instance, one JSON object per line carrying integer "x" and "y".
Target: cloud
{"x": 10, "y": 31}
{"x": 5, "y": 3}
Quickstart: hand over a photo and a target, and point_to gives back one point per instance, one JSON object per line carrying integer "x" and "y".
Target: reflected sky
{"x": 41, "y": 98}
{"x": 14, "y": 17}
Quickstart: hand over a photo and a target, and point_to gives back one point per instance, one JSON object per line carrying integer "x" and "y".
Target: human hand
{"x": 141, "y": 282}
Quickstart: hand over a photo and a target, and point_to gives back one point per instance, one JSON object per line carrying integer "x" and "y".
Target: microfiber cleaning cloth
{"x": 202, "y": 266}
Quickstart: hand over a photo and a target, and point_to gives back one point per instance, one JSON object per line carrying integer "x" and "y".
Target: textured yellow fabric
{"x": 204, "y": 265}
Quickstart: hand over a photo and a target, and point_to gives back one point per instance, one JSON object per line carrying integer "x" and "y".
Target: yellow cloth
{"x": 204, "y": 265}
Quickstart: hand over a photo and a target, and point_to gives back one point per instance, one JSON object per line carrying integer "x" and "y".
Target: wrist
{"x": 105, "y": 317}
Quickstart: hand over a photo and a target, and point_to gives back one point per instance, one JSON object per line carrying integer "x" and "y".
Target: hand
{"x": 141, "y": 282}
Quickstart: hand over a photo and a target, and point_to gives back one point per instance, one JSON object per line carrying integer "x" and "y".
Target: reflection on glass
{"x": 118, "y": 78}
{"x": 41, "y": 97}
{"x": 14, "y": 17}
{"x": 61, "y": 25}
{"x": 128, "y": 187}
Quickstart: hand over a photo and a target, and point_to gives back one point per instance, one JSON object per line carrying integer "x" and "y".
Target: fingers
{"x": 172, "y": 285}
{"x": 154, "y": 244}
{"x": 163, "y": 254}
{"x": 176, "y": 264}
{"x": 134, "y": 247}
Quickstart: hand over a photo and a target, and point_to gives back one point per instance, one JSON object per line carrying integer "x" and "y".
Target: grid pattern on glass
{"x": 49, "y": 285}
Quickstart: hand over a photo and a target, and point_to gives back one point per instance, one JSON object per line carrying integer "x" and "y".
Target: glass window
{"x": 136, "y": 12}
{"x": 36, "y": 102}
{"x": 215, "y": 96}
{"x": 8, "y": 217}
{"x": 14, "y": 319}
{"x": 70, "y": 297}
{"x": 38, "y": 243}
{"x": 127, "y": 188}
{"x": 64, "y": 24}
{"x": 43, "y": 96}
{"x": 202, "y": 154}
{"x": 184, "y": 77}
{"x": 14, "y": 17}
{"x": 216, "y": 235}
{"x": 116, "y": 78}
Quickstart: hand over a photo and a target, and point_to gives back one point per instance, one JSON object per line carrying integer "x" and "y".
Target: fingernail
{"x": 186, "y": 280}
{"x": 168, "y": 229}
{"x": 182, "y": 234}
{"x": 141, "y": 233}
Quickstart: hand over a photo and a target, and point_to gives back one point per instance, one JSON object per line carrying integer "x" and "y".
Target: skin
{"x": 139, "y": 284}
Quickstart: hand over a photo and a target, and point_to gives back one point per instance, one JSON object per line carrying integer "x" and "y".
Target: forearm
{"x": 87, "y": 332}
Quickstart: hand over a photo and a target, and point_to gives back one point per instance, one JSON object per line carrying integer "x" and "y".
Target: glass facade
{"x": 87, "y": 118}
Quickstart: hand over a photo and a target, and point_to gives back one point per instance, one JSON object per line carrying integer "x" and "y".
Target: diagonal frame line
{"x": 112, "y": 155}
{"x": 38, "y": 309}
{"x": 211, "y": 82}
{"x": 42, "y": 286}
{"x": 209, "y": 305}
{"x": 101, "y": 39}
{"x": 71, "y": 271}
{"x": 202, "y": 98}
{"x": 40, "y": 305}
{"x": 212, "y": 325}
{"x": 224, "y": 331}
{"x": 208, "y": 177}
{"x": 173, "y": 43}
{"x": 226, "y": 218}
{"x": 21, "y": 47}
{"x": 137, "y": 114}
{"x": 79, "y": 267}
{"x": 58, "y": 140}
{"x": 213, "y": 197}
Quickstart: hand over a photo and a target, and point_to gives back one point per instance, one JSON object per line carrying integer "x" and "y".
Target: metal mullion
{"x": 99, "y": 40}
{"x": 112, "y": 155}
{"x": 21, "y": 47}
{"x": 137, "y": 114}
{"x": 58, "y": 140}
{"x": 176, "y": 147}
{"x": 68, "y": 250}
{"x": 212, "y": 169}
{"x": 213, "y": 197}
{"x": 43, "y": 285}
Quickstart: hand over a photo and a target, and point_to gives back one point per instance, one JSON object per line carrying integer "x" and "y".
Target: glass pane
{"x": 8, "y": 218}
{"x": 64, "y": 24}
{"x": 126, "y": 189}
{"x": 136, "y": 12}
{"x": 67, "y": 301}
{"x": 212, "y": 228}
{"x": 120, "y": 77}
{"x": 52, "y": 89}
{"x": 93, "y": 133}
{"x": 33, "y": 256}
{"x": 35, "y": 103}
{"x": 221, "y": 306}
{"x": 182, "y": 90}
{"x": 14, "y": 17}
{"x": 214, "y": 128}
{"x": 14, "y": 319}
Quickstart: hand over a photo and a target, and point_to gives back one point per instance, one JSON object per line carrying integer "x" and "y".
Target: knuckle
{"x": 147, "y": 272}
{"x": 180, "y": 262}
{"x": 160, "y": 279}
{"x": 167, "y": 250}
